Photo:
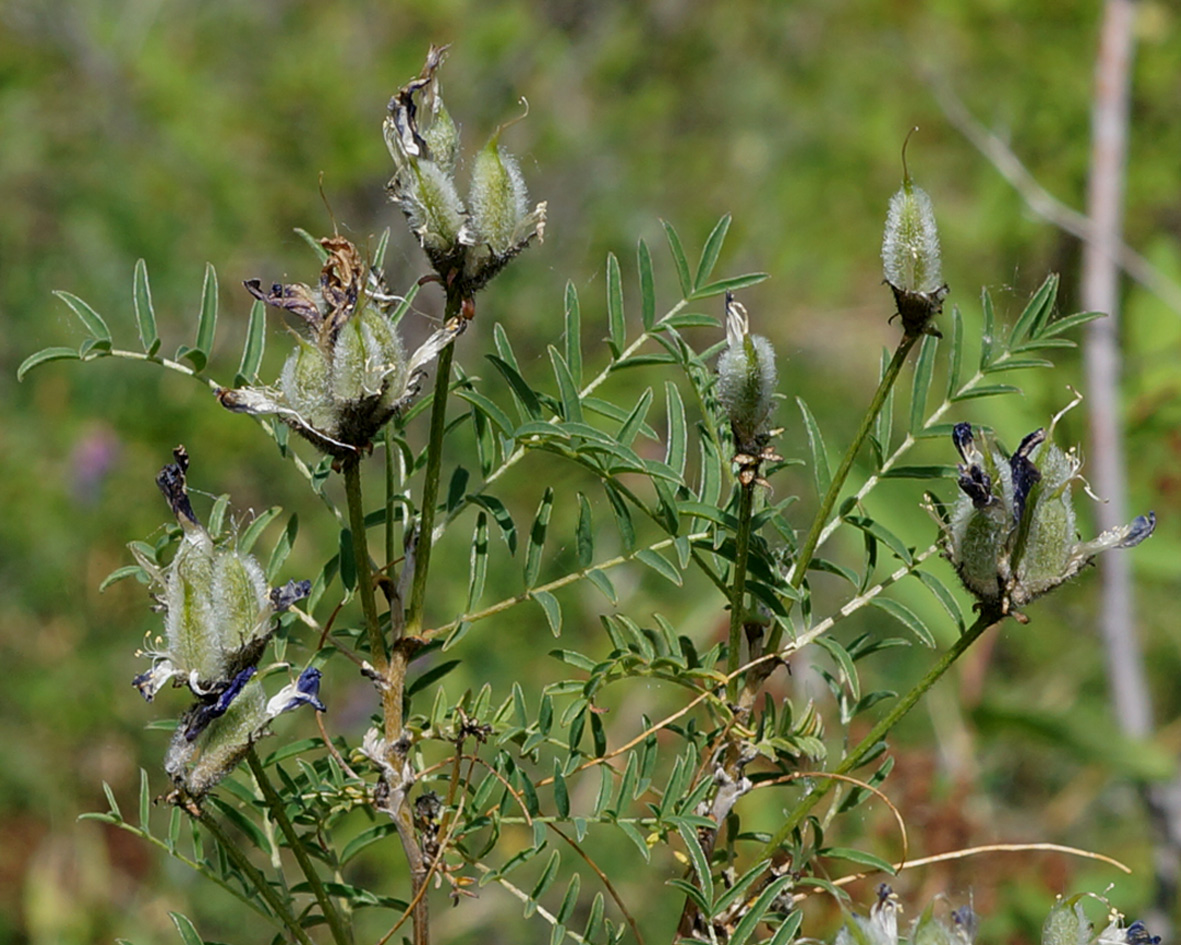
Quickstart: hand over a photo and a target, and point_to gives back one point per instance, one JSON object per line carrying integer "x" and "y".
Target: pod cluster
{"x": 1011, "y": 534}
{"x": 349, "y": 374}
{"x": 467, "y": 241}
{"x": 219, "y": 615}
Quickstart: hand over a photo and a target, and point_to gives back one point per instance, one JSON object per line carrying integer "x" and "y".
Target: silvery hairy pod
{"x": 1011, "y": 534}
{"x": 746, "y": 389}
{"x": 911, "y": 259}
{"x": 348, "y": 377}
{"x": 1067, "y": 924}
{"x": 219, "y": 615}
{"x": 467, "y": 242}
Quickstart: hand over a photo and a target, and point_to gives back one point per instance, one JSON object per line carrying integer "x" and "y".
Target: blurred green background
{"x": 191, "y": 132}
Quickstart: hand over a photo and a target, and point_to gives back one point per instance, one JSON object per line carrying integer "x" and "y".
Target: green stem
{"x": 389, "y": 498}
{"x": 430, "y": 486}
{"x": 340, "y": 935}
{"x": 988, "y": 618}
{"x": 255, "y": 877}
{"x": 804, "y": 558}
{"x": 738, "y": 587}
{"x": 356, "y": 503}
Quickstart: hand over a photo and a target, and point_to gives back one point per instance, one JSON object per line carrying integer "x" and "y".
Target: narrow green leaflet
{"x": 91, "y": 320}
{"x": 537, "y": 538}
{"x": 282, "y": 548}
{"x": 820, "y": 470}
{"x": 1032, "y": 321}
{"x": 635, "y": 420}
{"x": 733, "y": 284}
{"x": 44, "y": 356}
{"x": 188, "y": 933}
{"x": 567, "y": 389}
{"x": 924, "y": 369}
{"x": 584, "y": 536}
{"x": 956, "y": 352}
{"x": 883, "y": 426}
{"x": 145, "y": 314}
{"x": 705, "y": 880}
{"x": 679, "y": 260}
{"x": 254, "y": 530}
{"x": 489, "y": 409}
{"x": 647, "y": 286}
{"x": 678, "y": 435}
{"x": 207, "y": 325}
{"x": 907, "y": 617}
{"x": 544, "y": 882}
{"x": 941, "y": 593}
{"x": 570, "y": 900}
{"x": 478, "y": 565}
{"x": 573, "y": 333}
{"x": 1060, "y": 325}
{"x": 989, "y": 335}
{"x": 660, "y": 565}
{"x": 615, "y": 321}
{"x": 710, "y": 252}
{"x": 255, "y": 345}
{"x": 758, "y": 912}
{"x": 551, "y": 607}
{"x": 527, "y": 403}
{"x": 496, "y": 508}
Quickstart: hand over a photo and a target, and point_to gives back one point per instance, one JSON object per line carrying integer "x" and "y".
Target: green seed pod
{"x": 911, "y": 259}
{"x": 198, "y": 764}
{"x": 910, "y": 245}
{"x": 304, "y": 383}
{"x": 746, "y": 380}
{"x": 498, "y": 198}
{"x": 192, "y": 631}
{"x": 1011, "y": 535}
{"x": 746, "y": 388}
{"x": 1066, "y": 924}
{"x": 241, "y": 599}
{"x": 1051, "y": 536}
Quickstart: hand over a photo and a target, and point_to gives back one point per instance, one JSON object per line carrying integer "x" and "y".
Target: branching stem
{"x": 430, "y": 484}
{"x": 252, "y": 873}
{"x": 804, "y": 558}
{"x": 340, "y": 934}
{"x": 738, "y": 585}
{"x": 987, "y": 619}
{"x": 356, "y": 503}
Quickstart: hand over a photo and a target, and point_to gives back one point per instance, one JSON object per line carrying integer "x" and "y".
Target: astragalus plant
{"x": 510, "y": 789}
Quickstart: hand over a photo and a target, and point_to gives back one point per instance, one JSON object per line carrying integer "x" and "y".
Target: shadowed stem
{"x": 987, "y": 618}
{"x": 340, "y": 934}
{"x": 804, "y": 558}
{"x": 252, "y": 873}
{"x": 738, "y": 586}
{"x": 352, "y": 491}
{"x": 430, "y": 484}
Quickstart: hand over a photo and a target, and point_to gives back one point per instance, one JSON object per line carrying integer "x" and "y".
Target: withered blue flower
{"x": 1012, "y": 534}
{"x": 219, "y": 616}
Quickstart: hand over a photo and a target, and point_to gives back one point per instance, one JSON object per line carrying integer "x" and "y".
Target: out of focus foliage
{"x": 183, "y": 133}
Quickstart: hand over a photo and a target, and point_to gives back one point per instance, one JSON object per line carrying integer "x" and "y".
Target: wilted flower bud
{"x": 910, "y": 256}
{"x": 466, "y": 244}
{"x": 746, "y": 379}
{"x": 218, "y": 617}
{"x": 1011, "y": 534}
{"x": 341, "y": 385}
{"x": 746, "y": 390}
